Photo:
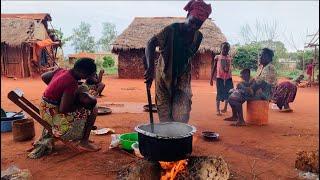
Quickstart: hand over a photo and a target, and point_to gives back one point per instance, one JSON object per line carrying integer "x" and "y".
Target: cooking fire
{"x": 195, "y": 167}
{"x": 171, "y": 169}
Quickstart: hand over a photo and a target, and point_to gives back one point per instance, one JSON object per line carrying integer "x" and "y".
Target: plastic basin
{"x": 6, "y": 122}
{"x": 126, "y": 140}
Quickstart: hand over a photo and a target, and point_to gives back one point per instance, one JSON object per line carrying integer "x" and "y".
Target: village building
{"x": 28, "y": 46}
{"x": 130, "y": 46}
{"x": 73, "y": 57}
{"x": 288, "y": 64}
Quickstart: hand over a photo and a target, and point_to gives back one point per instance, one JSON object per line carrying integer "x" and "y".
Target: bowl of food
{"x": 210, "y": 136}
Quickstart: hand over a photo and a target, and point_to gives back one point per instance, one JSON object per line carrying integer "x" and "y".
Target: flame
{"x": 171, "y": 169}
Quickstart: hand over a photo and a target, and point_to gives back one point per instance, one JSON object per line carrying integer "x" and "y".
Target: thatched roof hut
{"x": 15, "y": 31}
{"x": 130, "y": 44}
{"x": 27, "y": 46}
{"x": 142, "y": 29}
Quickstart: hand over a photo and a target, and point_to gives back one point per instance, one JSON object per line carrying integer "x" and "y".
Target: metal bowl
{"x": 210, "y": 136}
{"x": 104, "y": 110}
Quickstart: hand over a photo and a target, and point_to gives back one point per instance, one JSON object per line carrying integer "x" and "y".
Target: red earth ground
{"x": 266, "y": 152}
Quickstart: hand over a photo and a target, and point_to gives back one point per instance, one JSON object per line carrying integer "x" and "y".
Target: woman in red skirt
{"x": 285, "y": 93}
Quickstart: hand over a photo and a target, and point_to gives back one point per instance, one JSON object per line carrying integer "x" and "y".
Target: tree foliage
{"x": 247, "y": 55}
{"x": 108, "y": 36}
{"x": 108, "y": 61}
{"x": 82, "y": 41}
{"x": 300, "y": 56}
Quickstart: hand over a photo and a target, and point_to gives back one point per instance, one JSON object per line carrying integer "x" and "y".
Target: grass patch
{"x": 289, "y": 74}
{"x": 112, "y": 70}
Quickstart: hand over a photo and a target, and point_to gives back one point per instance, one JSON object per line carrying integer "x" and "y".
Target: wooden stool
{"x": 257, "y": 112}
{"x": 23, "y": 130}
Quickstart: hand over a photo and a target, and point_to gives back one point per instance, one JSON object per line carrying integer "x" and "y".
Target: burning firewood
{"x": 203, "y": 167}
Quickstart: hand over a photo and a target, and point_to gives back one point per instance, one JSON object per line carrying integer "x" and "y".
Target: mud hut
{"x": 130, "y": 46}
{"x": 74, "y": 57}
{"x": 28, "y": 47}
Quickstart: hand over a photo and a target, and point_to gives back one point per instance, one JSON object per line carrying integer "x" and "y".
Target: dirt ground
{"x": 266, "y": 152}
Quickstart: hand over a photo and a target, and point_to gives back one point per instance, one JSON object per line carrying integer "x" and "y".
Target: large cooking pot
{"x": 170, "y": 141}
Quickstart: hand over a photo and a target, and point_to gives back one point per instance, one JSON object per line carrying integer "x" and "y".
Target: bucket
{"x": 6, "y": 122}
{"x": 257, "y": 112}
{"x": 23, "y": 130}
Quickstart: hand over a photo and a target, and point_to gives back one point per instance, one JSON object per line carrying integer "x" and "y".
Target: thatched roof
{"x": 82, "y": 55}
{"x": 15, "y": 31}
{"x": 142, "y": 29}
{"x": 35, "y": 16}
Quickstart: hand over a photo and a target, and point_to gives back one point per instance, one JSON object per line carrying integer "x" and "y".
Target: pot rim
{"x": 150, "y": 134}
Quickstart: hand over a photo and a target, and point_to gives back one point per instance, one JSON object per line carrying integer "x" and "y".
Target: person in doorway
{"x": 177, "y": 42}
{"x": 221, "y": 72}
{"x": 60, "y": 109}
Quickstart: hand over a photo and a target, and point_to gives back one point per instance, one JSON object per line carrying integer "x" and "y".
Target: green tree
{"x": 108, "y": 61}
{"x": 247, "y": 56}
{"x": 108, "y": 36}
{"x": 300, "y": 56}
{"x": 81, "y": 39}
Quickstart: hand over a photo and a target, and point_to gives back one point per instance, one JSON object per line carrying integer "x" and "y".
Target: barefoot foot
{"x": 238, "y": 123}
{"x": 230, "y": 119}
{"x": 87, "y": 146}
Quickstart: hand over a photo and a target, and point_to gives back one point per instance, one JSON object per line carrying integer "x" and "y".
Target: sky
{"x": 295, "y": 19}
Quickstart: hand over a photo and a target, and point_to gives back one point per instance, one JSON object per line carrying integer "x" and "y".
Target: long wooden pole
{"x": 314, "y": 61}
{"x": 21, "y": 60}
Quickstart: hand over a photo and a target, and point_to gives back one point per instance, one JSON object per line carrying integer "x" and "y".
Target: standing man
{"x": 177, "y": 43}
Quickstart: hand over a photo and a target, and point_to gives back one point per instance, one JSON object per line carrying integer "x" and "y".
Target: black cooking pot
{"x": 170, "y": 141}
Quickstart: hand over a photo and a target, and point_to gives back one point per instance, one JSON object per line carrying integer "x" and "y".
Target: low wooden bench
{"x": 16, "y": 96}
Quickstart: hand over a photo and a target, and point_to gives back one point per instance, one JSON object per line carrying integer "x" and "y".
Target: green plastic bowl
{"x": 126, "y": 140}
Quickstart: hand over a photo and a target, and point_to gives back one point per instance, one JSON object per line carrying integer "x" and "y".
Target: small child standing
{"x": 221, "y": 72}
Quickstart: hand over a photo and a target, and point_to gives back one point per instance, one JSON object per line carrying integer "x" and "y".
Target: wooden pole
{"x": 314, "y": 61}
{"x": 29, "y": 60}
{"x": 21, "y": 60}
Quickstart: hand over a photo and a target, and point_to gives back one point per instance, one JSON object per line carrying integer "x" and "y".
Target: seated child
{"x": 95, "y": 84}
{"x": 238, "y": 96}
{"x": 84, "y": 99}
{"x": 248, "y": 89}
